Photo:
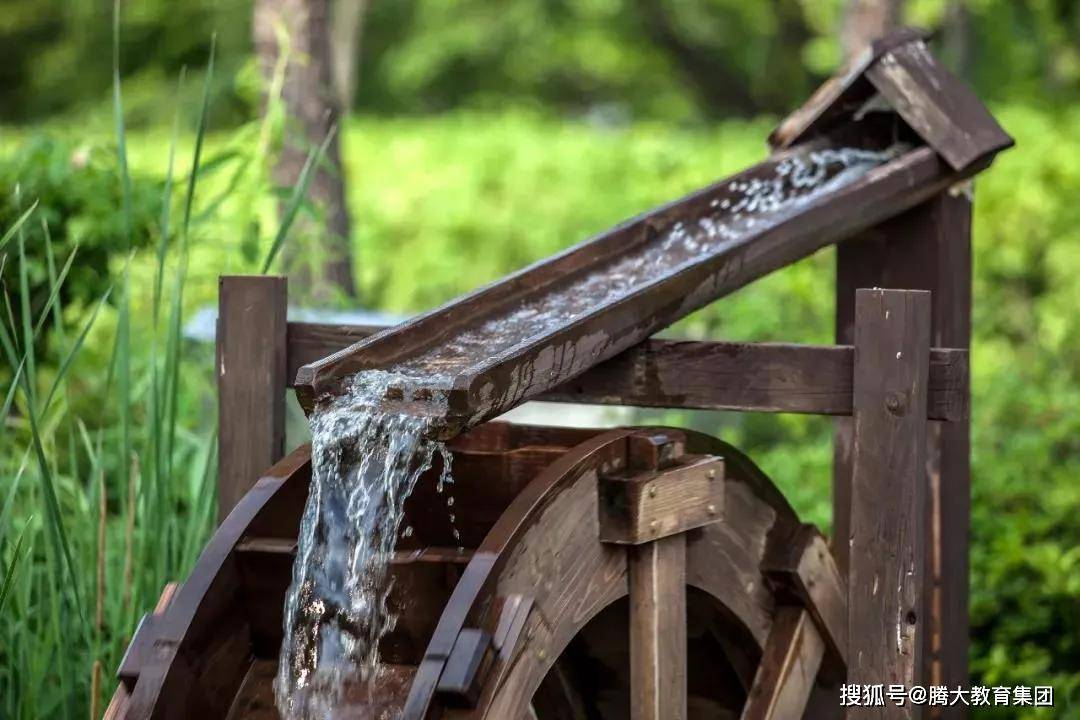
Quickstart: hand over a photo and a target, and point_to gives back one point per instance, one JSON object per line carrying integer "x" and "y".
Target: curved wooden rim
{"x": 165, "y": 667}
{"x": 476, "y": 588}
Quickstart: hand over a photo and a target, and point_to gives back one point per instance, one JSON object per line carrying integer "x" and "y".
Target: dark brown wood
{"x": 789, "y": 666}
{"x": 802, "y": 572}
{"x": 927, "y": 248}
{"x": 251, "y": 349}
{"x": 888, "y": 598}
{"x": 702, "y": 375}
{"x": 521, "y": 372}
{"x": 658, "y": 629}
{"x": 644, "y": 507}
{"x": 461, "y": 679}
{"x": 839, "y": 97}
{"x": 937, "y": 105}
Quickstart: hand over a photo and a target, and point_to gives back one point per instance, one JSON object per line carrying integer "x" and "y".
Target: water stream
{"x": 366, "y": 460}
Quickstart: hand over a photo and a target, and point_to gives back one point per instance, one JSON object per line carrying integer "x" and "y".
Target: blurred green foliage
{"x": 75, "y": 186}
{"x": 665, "y": 59}
{"x": 443, "y": 204}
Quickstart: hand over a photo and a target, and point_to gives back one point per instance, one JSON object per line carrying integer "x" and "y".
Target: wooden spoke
{"x": 658, "y": 629}
{"x": 789, "y": 667}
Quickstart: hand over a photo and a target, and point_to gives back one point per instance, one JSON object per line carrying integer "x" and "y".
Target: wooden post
{"x": 658, "y": 629}
{"x": 888, "y": 602}
{"x": 927, "y": 248}
{"x": 251, "y": 343}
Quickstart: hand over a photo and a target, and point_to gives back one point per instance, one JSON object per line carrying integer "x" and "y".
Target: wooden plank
{"x": 251, "y": 349}
{"x": 658, "y": 629}
{"x": 758, "y": 377}
{"x": 839, "y": 97}
{"x": 789, "y": 666}
{"x": 652, "y": 505}
{"x": 887, "y": 602}
{"x": 928, "y": 248}
{"x": 801, "y": 571}
{"x": 489, "y": 382}
{"x": 937, "y": 105}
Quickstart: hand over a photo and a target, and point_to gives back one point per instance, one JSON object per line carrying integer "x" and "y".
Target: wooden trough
{"x": 649, "y": 573}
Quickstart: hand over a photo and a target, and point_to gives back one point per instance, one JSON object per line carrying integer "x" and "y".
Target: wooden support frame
{"x": 926, "y": 248}
{"x": 251, "y": 365}
{"x": 701, "y": 375}
{"x": 658, "y": 629}
{"x": 888, "y": 599}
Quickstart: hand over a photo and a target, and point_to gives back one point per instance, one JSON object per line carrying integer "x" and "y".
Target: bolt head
{"x": 652, "y": 491}
{"x": 711, "y": 509}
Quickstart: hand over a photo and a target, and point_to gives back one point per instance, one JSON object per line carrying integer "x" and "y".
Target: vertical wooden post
{"x": 927, "y": 248}
{"x": 658, "y": 629}
{"x": 251, "y": 344}
{"x": 888, "y": 601}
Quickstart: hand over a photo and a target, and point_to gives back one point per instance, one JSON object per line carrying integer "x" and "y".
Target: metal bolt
{"x": 652, "y": 491}
{"x": 711, "y": 509}
{"x": 711, "y": 474}
{"x": 894, "y": 403}
{"x": 541, "y": 653}
{"x": 654, "y": 525}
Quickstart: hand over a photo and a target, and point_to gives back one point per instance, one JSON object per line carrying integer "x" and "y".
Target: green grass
{"x": 107, "y": 458}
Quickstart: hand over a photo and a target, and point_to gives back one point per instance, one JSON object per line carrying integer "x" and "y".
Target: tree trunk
{"x": 347, "y": 23}
{"x": 866, "y": 21}
{"x": 312, "y": 112}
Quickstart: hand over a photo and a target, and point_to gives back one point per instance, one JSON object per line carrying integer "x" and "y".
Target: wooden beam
{"x": 251, "y": 356}
{"x": 927, "y": 248}
{"x": 801, "y": 571}
{"x": 651, "y": 505}
{"x": 888, "y": 604}
{"x": 759, "y": 377}
{"x": 789, "y": 666}
{"x": 658, "y": 629}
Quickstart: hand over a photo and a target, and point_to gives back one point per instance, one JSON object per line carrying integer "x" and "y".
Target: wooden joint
{"x": 646, "y": 506}
{"x": 801, "y": 571}
{"x": 460, "y": 681}
{"x": 654, "y": 450}
{"x": 141, "y": 647}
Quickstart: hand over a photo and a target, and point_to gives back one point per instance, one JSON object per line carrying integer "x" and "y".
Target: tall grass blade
{"x": 9, "y": 574}
{"x": 52, "y": 505}
{"x": 57, "y": 284}
{"x": 17, "y": 225}
{"x": 296, "y": 201}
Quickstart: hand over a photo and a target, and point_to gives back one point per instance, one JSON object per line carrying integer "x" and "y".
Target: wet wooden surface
{"x": 703, "y": 375}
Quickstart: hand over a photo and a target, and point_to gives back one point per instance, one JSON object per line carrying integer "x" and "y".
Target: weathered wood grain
{"x": 657, "y": 579}
{"x": 928, "y": 248}
{"x": 702, "y": 375}
{"x": 937, "y": 105}
{"x": 887, "y": 599}
{"x": 652, "y": 505}
{"x": 788, "y": 669}
{"x": 251, "y": 356}
{"x": 802, "y": 571}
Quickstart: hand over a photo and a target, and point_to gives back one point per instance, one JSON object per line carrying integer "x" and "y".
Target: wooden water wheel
{"x": 645, "y": 573}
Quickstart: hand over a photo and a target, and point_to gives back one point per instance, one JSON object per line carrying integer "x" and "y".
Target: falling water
{"x": 365, "y": 462}
{"x": 366, "y": 458}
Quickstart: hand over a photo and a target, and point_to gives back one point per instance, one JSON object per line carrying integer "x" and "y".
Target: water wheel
{"x": 646, "y": 573}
